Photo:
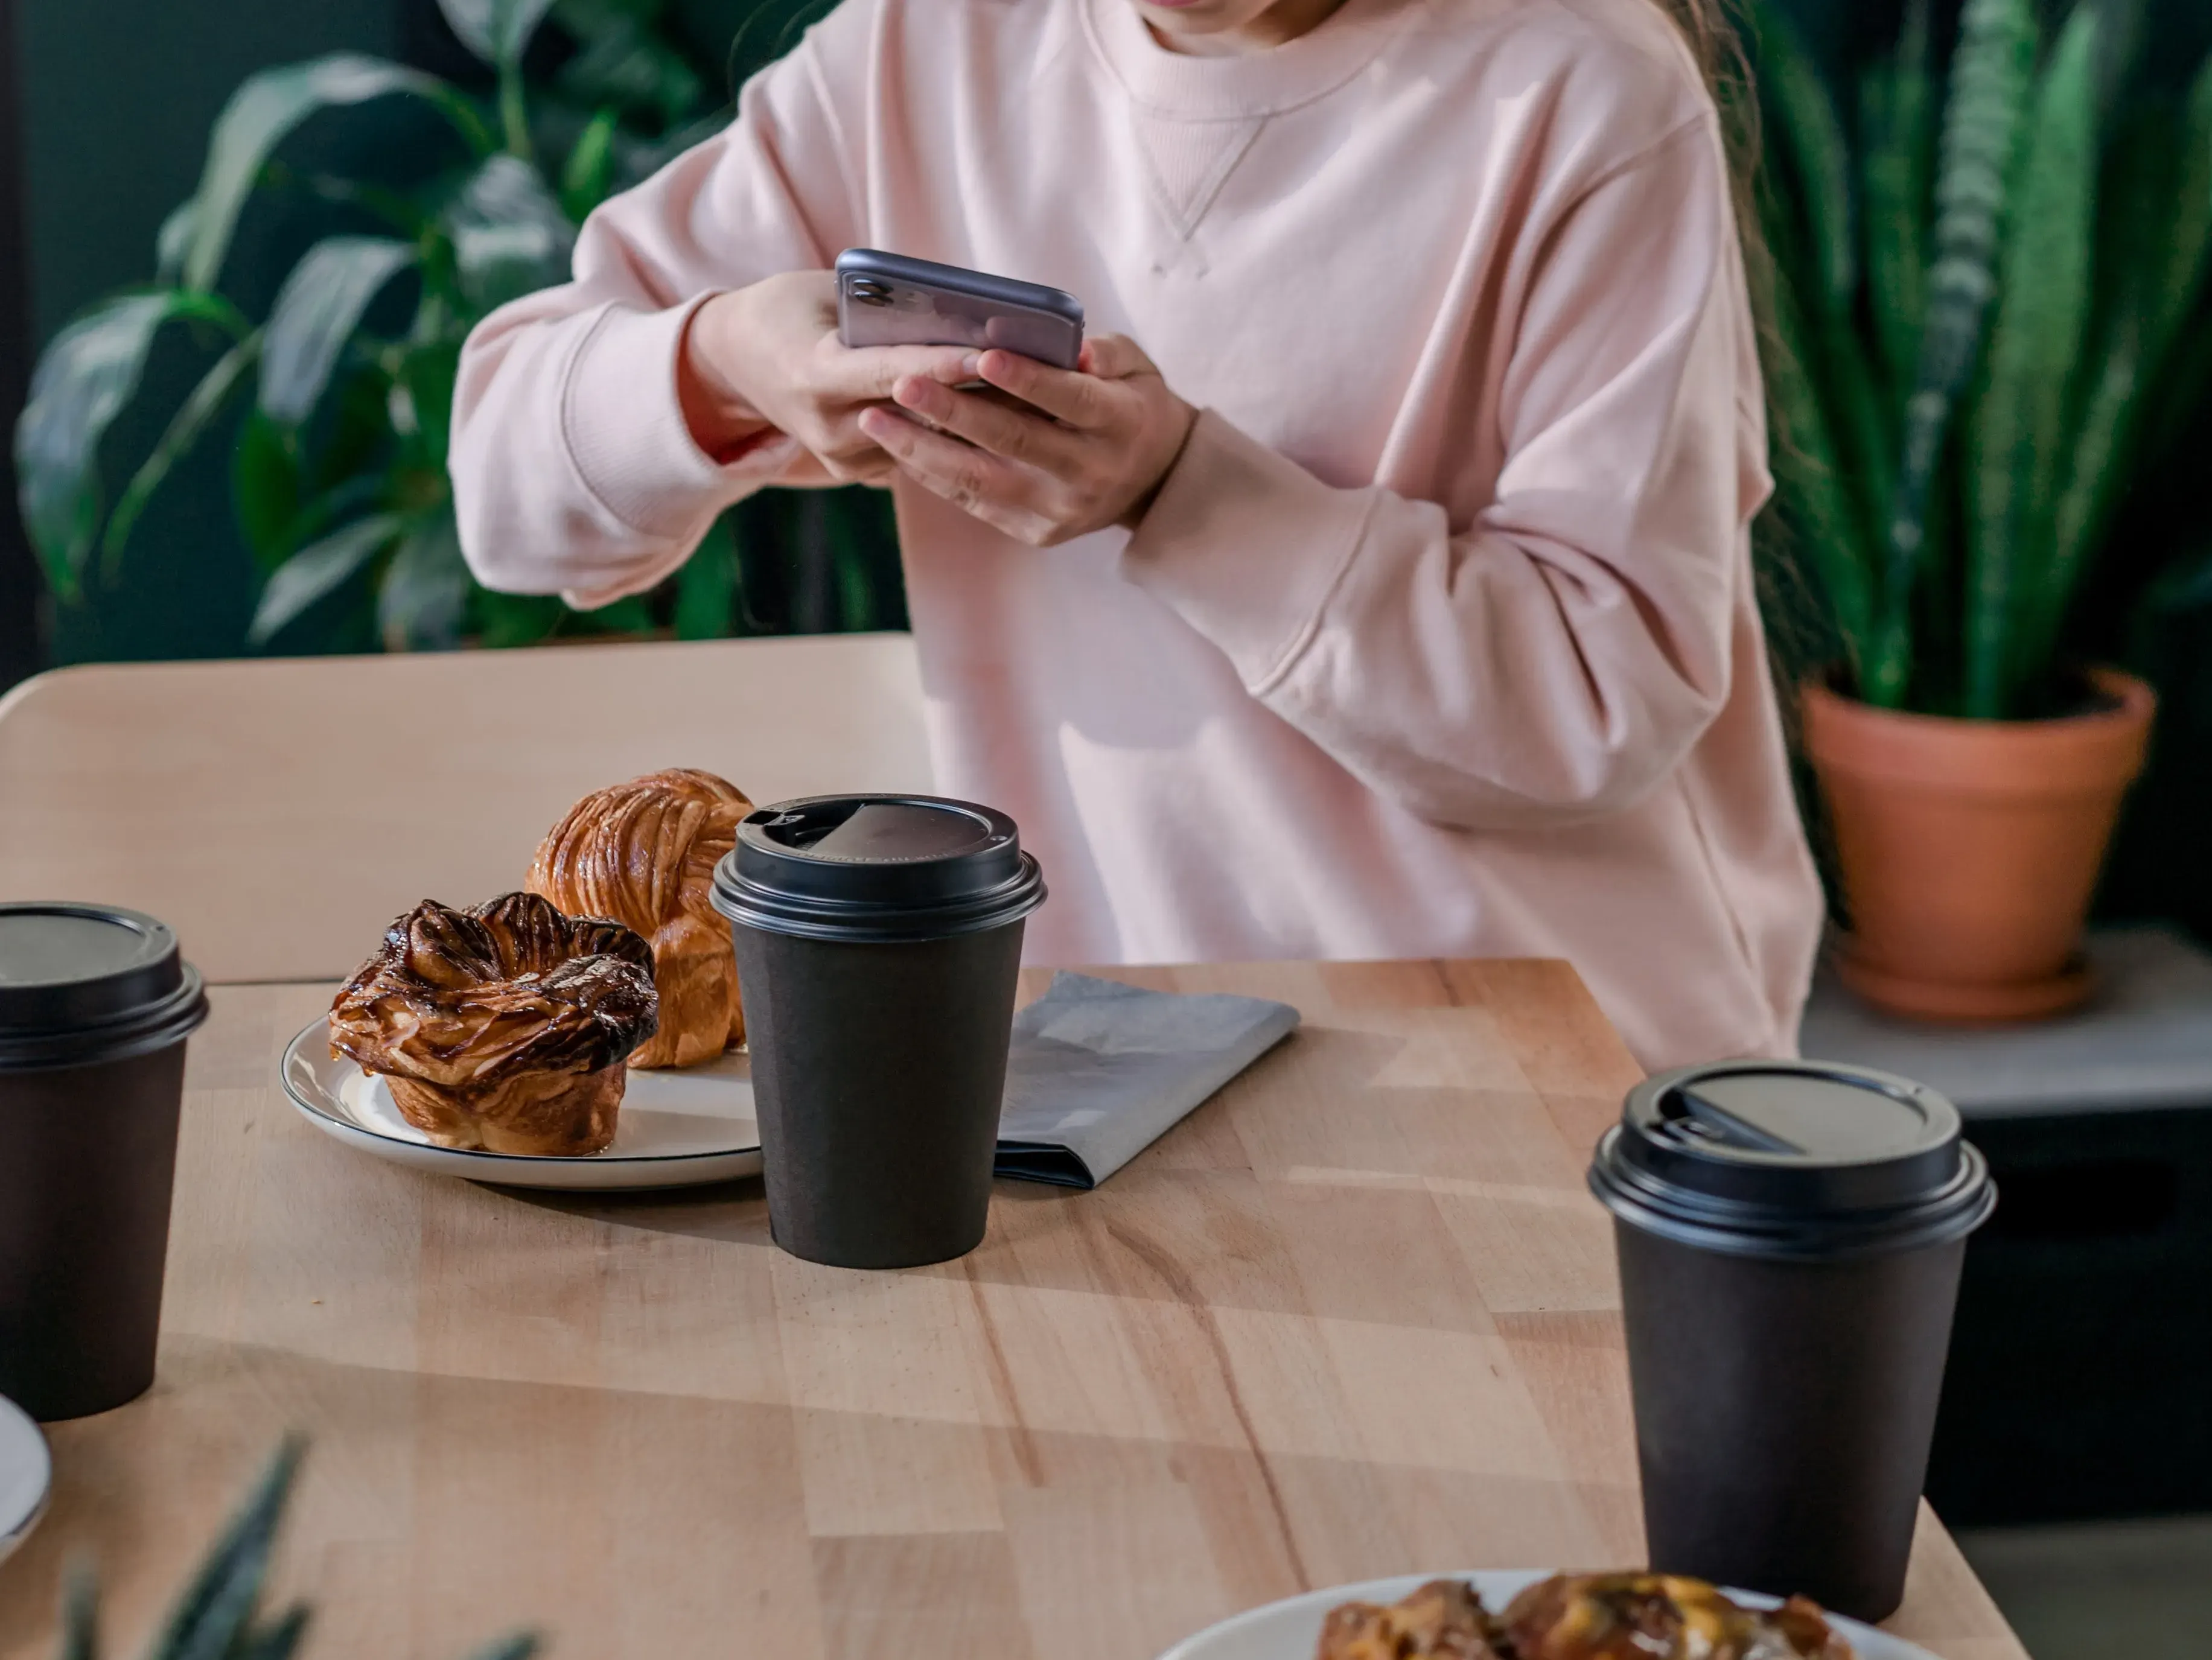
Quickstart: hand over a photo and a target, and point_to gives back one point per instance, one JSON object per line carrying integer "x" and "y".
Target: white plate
{"x": 675, "y": 1130}
{"x": 1291, "y": 1629}
{"x": 27, "y": 1475}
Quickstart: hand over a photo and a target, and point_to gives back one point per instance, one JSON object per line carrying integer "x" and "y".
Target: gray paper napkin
{"x": 1098, "y": 1071}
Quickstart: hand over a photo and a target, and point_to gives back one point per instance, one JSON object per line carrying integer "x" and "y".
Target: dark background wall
{"x": 19, "y": 582}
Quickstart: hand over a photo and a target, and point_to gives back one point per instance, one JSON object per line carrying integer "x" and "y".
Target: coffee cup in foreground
{"x": 1791, "y": 1236}
{"x": 878, "y": 939}
{"x": 95, "y": 1005}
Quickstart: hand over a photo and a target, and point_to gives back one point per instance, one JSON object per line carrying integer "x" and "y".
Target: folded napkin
{"x": 1098, "y": 1071}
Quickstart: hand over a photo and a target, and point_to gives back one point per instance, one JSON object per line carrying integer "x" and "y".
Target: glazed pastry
{"x": 1444, "y": 1620}
{"x": 644, "y": 853}
{"x": 1651, "y": 1616}
{"x": 504, "y": 1028}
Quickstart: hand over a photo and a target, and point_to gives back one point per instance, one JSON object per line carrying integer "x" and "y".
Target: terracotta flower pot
{"x": 1969, "y": 849}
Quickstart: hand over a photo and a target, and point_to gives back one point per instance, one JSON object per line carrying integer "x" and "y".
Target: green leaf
{"x": 184, "y": 430}
{"x": 84, "y": 379}
{"x": 264, "y": 488}
{"x": 173, "y": 241}
{"x": 2020, "y": 422}
{"x": 218, "y": 1606}
{"x": 497, "y": 31}
{"x": 317, "y": 572}
{"x": 425, "y": 592}
{"x": 265, "y": 109}
{"x": 428, "y": 373}
{"x": 706, "y": 586}
{"x": 509, "y": 235}
{"x": 1897, "y": 111}
{"x": 590, "y": 166}
{"x": 1819, "y": 153}
{"x": 316, "y": 312}
{"x": 619, "y": 61}
{"x": 1990, "y": 76}
{"x": 512, "y": 620}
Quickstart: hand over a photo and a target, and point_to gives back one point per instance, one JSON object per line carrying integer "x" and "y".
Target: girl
{"x": 1379, "y": 584}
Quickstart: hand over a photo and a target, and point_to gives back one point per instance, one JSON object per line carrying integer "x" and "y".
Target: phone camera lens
{"x": 869, "y": 292}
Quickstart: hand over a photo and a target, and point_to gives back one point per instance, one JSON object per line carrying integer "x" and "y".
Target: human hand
{"x": 1088, "y": 451}
{"x": 768, "y": 357}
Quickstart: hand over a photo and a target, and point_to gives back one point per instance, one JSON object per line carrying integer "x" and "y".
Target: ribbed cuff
{"x": 1246, "y": 546}
{"x": 625, "y": 424}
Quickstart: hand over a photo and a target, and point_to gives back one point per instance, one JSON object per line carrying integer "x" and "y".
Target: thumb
{"x": 1115, "y": 357}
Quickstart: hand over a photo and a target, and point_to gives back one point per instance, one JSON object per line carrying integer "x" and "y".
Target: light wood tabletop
{"x": 1357, "y": 1316}
{"x": 278, "y": 814}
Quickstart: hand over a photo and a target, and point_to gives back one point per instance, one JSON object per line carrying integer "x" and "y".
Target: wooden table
{"x": 1357, "y": 1316}
{"x": 278, "y": 814}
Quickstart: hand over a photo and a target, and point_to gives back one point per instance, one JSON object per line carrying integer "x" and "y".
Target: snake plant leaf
{"x": 2018, "y": 425}
{"x": 590, "y": 166}
{"x": 268, "y": 108}
{"x": 425, "y": 593}
{"x": 193, "y": 417}
{"x": 316, "y": 312}
{"x": 508, "y": 232}
{"x": 1991, "y": 73}
{"x": 318, "y": 571}
{"x": 1819, "y": 153}
{"x": 1897, "y": 111}
{"x": 218, "y": 1606}
{"x": 85, "y": 377}
{"x": 497, "y": 31}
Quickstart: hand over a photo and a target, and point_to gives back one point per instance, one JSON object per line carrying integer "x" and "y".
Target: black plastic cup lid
{"x": 1792, "y": 1159}
{"x": 876, "y": 869}
{"x": 84, "y": 983}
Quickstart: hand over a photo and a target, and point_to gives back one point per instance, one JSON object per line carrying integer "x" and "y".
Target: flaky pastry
{"x": 1444, "y": 1620}
{"x": 505, "y": 1027}
{"x": 644, "y": 853}
{"x": 1653, "y": 1616}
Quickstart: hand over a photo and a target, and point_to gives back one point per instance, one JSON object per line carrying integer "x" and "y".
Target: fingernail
{"x": 972, "y": 364}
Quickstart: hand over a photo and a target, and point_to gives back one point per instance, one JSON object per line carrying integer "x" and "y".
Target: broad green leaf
{"x": 2020, "y": 424}
{"x": 218, "y": 1606}
{"x": 193, "y": 418}
{"x": 619, "y": 60}
{"x": 425, "y": 592}
{"x": 509, "y": 235}
{"x": 84, "y": 378}
{"x": 318, "y": 570}
{"x": 173, "y": 241}
{"x": 265, "y": 109}
{"x": 428, "y": 373}
{"x": 1991, "y": 73}
{"x": 510, "y": 620}
{"x": 706, "y": 586}
{"x": 590, "y": 166}
{"x": 264, "y": 488}
{"x": 497, "y": 31}
{"x": 316, "y": 312}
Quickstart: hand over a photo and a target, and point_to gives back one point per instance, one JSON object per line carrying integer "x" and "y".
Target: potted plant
{"x": 1980, "y": 300}
{"x": 337, "y": 465}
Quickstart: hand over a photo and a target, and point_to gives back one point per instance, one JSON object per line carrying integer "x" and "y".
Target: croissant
{"x": 644, "y": 853}
{"x": 1444, "y": 1620}
{"x": 504, "y": 1027}
{"x": 1652, "y": 1616}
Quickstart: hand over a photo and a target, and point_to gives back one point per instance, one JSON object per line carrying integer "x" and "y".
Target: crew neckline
{"x": 1245, "y": 84}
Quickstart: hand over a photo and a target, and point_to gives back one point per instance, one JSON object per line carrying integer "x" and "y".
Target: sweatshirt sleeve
{"x": 1557, "y": 658}
{"x": 573, "y": 469}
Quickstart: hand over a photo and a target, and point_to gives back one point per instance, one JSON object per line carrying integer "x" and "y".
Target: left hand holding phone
{"x": 1090, "y": 452}
{"x": 768, "y": 357}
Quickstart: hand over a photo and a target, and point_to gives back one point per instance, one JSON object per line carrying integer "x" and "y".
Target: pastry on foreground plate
{"x": 644, "y": 853}
{"x": 504, "y": 1028}
{"x": 1589, "y": 1617}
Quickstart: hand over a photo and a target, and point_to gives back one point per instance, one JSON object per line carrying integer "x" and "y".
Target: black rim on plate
{"x": 293, "y": 1057}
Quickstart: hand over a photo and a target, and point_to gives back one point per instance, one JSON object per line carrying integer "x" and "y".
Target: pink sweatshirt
{"x": 1439, "y": 639}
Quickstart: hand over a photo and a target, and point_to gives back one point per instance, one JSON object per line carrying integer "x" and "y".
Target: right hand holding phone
{"x": 768, "y": 357}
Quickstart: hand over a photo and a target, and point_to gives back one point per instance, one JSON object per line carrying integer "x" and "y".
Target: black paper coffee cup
{"x": 878, "y": 939}
{"x": 1791, "y": 1236}
{"x": 95, "y": 1005}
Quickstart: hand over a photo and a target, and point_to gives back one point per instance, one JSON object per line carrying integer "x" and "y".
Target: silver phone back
{"x": 884, "y": 300}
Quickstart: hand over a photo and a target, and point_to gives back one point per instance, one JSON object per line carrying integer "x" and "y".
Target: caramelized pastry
{"x": 1652, "y": 1616}
{"x": 504, "y": 1028}
{"x": 644, "y": 853}
{"x": 1444, "y": 1620}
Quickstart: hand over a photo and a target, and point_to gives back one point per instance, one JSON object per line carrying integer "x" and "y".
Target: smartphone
{"x": 888, "y": 299}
